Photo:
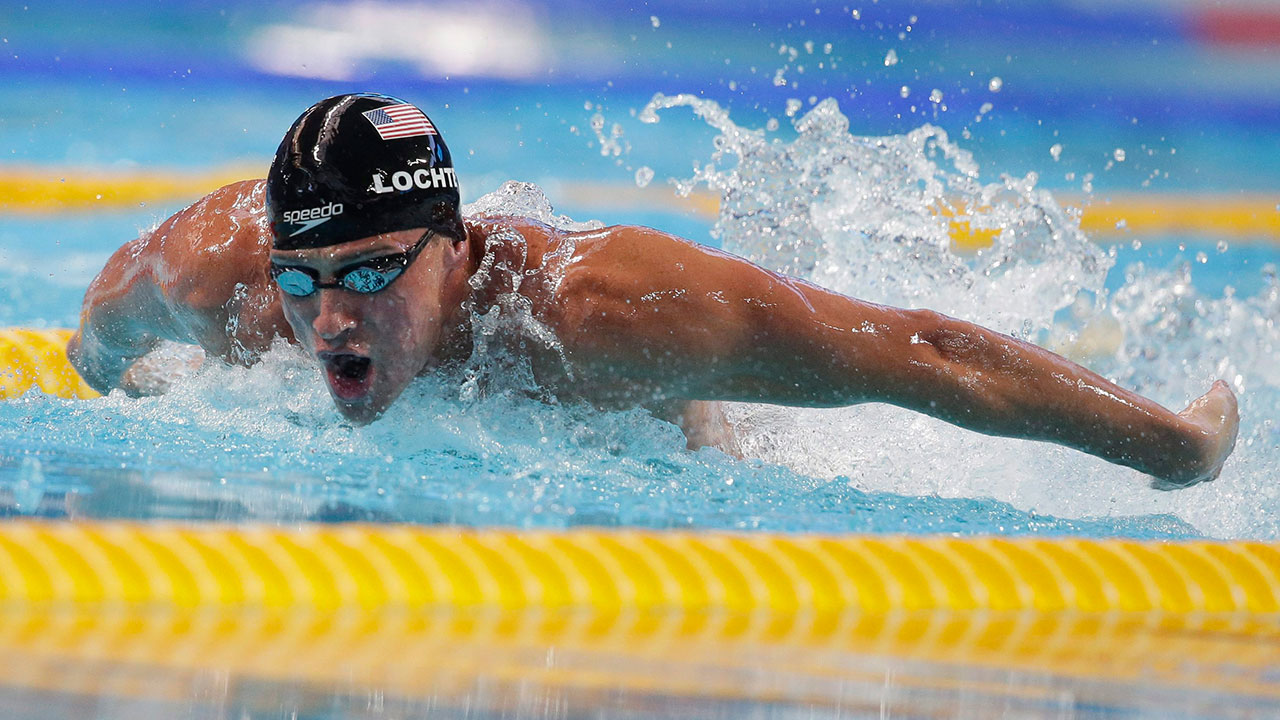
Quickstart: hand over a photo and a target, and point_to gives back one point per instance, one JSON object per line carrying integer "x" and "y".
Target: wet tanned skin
{"x": 644, "y": 318}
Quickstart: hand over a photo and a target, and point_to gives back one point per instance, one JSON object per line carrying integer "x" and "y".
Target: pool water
{"x": 853, "y": 145}
{"x": 844, "y": 210}
{"x": 828, "y": 157}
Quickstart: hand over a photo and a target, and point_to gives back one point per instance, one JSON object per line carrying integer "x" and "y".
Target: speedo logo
{"x": 311, "y": 217}
{"x": 424, "y": 178}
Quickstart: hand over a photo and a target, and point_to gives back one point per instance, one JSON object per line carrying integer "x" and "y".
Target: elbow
{"x": 74, "y": 354}
{"x": 948, "y": 339}
{"x": 81, "y": 355}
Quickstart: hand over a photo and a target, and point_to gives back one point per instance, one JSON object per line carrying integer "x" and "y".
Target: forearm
{"x": 103, "y": 367}
{"x": 995, "y": 384}
{"x": 833, "y": 350}
{"x": 123, "y": 318}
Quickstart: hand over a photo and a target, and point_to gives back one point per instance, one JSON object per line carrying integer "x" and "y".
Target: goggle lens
{"x": 367, "y": 280}
{"x": 296, "y": 282}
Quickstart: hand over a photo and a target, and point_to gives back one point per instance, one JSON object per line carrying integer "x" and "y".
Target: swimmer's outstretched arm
{"x": 702, "y": 324}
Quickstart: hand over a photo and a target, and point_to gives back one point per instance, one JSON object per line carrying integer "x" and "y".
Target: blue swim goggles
{"x": 366, "y": 276}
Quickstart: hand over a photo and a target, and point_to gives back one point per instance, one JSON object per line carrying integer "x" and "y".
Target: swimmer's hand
{"x": 157, "y": 371}
{"x": 1215, "y": 416}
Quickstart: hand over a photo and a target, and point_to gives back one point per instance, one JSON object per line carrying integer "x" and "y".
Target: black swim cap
{"x": 358, "y": 165}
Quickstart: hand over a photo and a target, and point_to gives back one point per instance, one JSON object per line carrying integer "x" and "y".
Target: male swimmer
{"x": 355, "y": 248}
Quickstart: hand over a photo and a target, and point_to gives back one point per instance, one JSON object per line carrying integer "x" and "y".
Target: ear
{"x": 455, "y": 251}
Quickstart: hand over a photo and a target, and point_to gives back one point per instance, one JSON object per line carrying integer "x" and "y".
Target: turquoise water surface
{"x": 829, "y": 173}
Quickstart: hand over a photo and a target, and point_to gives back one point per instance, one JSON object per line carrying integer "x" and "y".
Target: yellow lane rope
{"x": 1230, "y": 215}
{"x": 396, "y": 604}
{"x": 390, "y": 604}
{"x": 37, "y": 358}
{"x": 50, "y": 190}
{"x": 376, "y": 568}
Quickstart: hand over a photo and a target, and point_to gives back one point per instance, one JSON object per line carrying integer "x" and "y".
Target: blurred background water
{"x": 1083, "y": 136}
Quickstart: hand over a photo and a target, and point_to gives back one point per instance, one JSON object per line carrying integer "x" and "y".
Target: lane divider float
{"x": 41, "y": 190}
{"x": 37, "y": 358}
{"x": 388, "y": 605}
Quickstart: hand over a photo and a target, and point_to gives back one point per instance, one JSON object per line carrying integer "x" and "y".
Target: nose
{"x": 334, "y": 319}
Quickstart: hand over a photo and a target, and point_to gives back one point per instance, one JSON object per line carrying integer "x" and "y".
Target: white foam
{"x": 871, "y": 217}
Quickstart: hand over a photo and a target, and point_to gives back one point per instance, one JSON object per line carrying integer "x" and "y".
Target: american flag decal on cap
{"x": 399, "y": 121}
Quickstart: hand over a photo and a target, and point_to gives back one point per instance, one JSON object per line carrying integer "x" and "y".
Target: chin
{"x": 358, "y": 414}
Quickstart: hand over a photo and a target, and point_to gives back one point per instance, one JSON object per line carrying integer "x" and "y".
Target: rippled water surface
{"x": 868, "y": 216}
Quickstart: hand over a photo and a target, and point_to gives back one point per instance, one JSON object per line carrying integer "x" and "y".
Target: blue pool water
{"x": 265, "y": 443}
{"x": 852, "y": 163}
{"x": 826, "y": 131}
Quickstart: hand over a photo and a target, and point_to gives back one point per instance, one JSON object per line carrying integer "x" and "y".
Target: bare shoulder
{"x": 232, "y": 214}
{"x": 628, "y": 281}
{"x": 623, "y": 267}
{"x": 641, "y": 263}
{"x": 205, "y": 250}
{"x": 521, "y": 252}
{"x": 513, "y": 236}
{"x": 227, "y": 222}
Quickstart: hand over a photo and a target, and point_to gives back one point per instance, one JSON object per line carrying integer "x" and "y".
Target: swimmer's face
{"x": 372, "y": 344}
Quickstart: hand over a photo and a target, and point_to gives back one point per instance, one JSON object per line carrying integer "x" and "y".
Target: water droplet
{"x": 935, "y": 96}
{"x": 1222, "y": 246}
{"x": 1118, "y": 154}
{"x": 857, "y": 14}
{"x": 905, "y": 91}
{"x": 985, "y": 108}
{"x": 1202, "y": 258}
{"x": 1122, "y": 224}
{"x": 891, "y": 58}
{"x": 771, "y": 125}
{"x": 793, "y": 106}
{"x": 654, "y": 21}
{"x": 586, "y": 105}
{"x": 1055, "y": 151}
{"x": 644, "y": 176}
{"x": 995, "y": 84}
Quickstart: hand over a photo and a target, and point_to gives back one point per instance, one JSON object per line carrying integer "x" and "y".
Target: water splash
{"x": 873, "y": 217}
{"x": 523, "y": 199}
{"x": 265, "y": 443}
{"x": 878, "y": 217}
{"x": 849, "y": 212}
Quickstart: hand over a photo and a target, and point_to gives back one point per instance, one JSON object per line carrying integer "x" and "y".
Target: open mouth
{"x": 350, "y": 375}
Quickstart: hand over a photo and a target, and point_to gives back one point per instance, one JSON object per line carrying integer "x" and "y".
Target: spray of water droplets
{"x": 884, "y": 218}
{"x": 871, "y": 217}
